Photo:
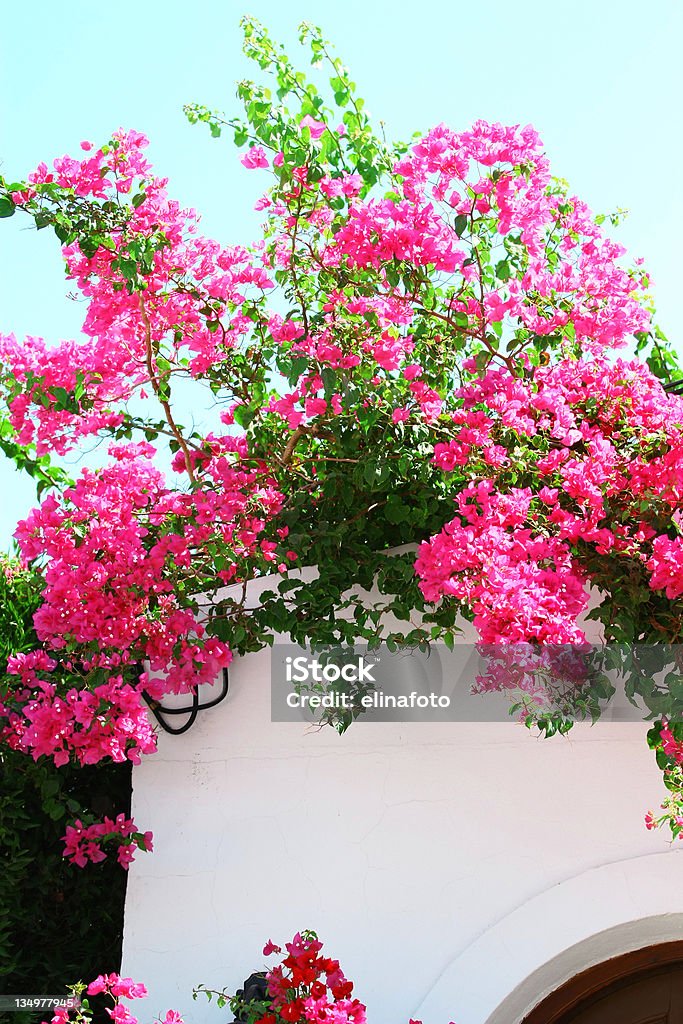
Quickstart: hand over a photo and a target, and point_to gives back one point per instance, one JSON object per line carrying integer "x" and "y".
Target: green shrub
{"x": 58, "y": 923}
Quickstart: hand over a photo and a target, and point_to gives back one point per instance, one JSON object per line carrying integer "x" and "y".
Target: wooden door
{"x": 651, "y": 998}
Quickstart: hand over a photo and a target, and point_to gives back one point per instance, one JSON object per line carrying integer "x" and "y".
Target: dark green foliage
{"x": 58, "y": 923}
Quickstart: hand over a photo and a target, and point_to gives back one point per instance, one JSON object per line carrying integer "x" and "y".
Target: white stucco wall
{"x": 443, "y": 864}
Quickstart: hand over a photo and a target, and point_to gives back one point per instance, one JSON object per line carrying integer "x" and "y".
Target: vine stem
{"x": 294, "y": 439}
{"x": 154, "y": 380}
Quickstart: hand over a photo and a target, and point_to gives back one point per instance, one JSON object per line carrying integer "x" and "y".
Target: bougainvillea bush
{"x": 432, "y": 343}
{"x": 304, "y": 986}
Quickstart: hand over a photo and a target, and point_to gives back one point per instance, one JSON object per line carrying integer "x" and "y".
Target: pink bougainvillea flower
{"x": 255, "y": 157}
{"x": 316, "y": 128}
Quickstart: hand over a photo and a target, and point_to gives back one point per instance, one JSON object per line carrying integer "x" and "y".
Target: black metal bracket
{"x": 255, "y": 987}
{"x": 160, "y": 710}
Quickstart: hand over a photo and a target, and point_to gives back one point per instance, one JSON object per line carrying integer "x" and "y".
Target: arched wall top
{"x": 601, "y": 913}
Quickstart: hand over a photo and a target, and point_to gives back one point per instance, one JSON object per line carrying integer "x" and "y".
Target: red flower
{"x": 292, "y": 1011}
{"x": 343, "y": 990}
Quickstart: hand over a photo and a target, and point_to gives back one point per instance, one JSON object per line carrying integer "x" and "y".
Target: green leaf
{"x": 243, "y": 415}
{"x": 62, "y": 230}
{"x": 7, "y": 206}
{"x": 396, "y": 510}
{"x": 460, "y": 224}
{"x": 503, "y": 270}
{"x": 299, "y": 365}
{"x": 329, "y": 379}
{"x": 89, "y": 246}
{"x": 128, "y": 268}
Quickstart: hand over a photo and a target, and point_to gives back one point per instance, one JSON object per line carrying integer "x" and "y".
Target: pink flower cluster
{"x": 666, "y": 566}
{"x": 82, "y": 725}
{"x": 671, "y": 746}
{"x": 115, "y": 985}
{"x": 112, "y": 571}
{"x": 599, "y": 436}
{"x": 582, "y": 286}
{"x": 59, "y": 393}
{"x": 490, "y": 186}
{"x": 114, "y": 988}
{"x": 379, "y": 231}
{"x": 520, "y": 584}
{"x": 667, "y": 742}
{"x": 83, "y": 843}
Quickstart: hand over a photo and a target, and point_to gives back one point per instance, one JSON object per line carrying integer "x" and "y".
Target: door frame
{"x": 599, "y": 979}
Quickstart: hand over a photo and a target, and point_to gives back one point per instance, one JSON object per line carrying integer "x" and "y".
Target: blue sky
{"x": 601, "y": 82}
